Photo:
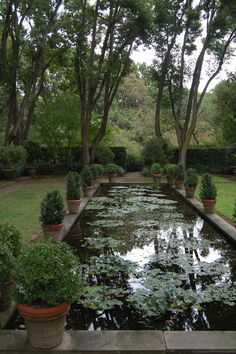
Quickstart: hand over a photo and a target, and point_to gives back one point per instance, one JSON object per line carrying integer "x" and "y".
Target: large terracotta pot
{"x": 88, "y": 191}
{"x": 45, "y": 326}
{"x": 156, "y": 177}
{"x": 5, "y": 296}
{"x": 54, "y": 231}
{"x": 189, "y": 191}
{"x": 112, "y": 177}
{"x": 73, "y": 206}
{"x": 209, "y": 205}
{"x": 178, "y": 184}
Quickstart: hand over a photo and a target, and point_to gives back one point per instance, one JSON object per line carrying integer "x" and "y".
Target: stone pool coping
{"x": 130, "y": 342}
{"x": 127, "y": 342}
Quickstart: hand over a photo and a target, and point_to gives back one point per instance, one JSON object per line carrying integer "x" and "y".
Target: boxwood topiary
{"x": 86, "y": 177}
{"x": 10, "y": 236}
{"x": 73, "y": 191}
{"x": 47, "y": 273}
{"x": 52, "y": 209}
{"x": 207, "y": 188}
{"x": 6, "y": 263}
{"x": 191, "y": 178}
{"x": 111, "y": 168}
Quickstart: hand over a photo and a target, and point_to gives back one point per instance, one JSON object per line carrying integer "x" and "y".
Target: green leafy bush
{"x": 33, "y": 151}
{"x": 156, "y": 168}
{"x": 179, "y": 173}
{"x": 47, "y": 273}
{"x": 170, "y": 170}
{"x": 94, "y": 170}
{"x": 104, "y": 155}
{"x": 86, "y": 177}
{"x": 191, "y": 178}
{"x": 73, "y": 191}
{"x": 6, "y": 263}
{"x": 207, "y": 188}
{"x": 111, "y": 168}
{"x": 100, "y": 169}
{"x": 52, "y": 209}
{"x": 12, "y": 158}
{"x": 11, "y": 237}
{"x": 157, "y": 150}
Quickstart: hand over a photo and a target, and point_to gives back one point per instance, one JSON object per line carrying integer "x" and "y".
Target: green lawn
{"x": 226, "y": 195}
{"x": 21, "y": 207}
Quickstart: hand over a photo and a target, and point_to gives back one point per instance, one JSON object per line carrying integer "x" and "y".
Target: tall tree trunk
{"x": 85, "y": 144}
{"x": 182, "y": 155}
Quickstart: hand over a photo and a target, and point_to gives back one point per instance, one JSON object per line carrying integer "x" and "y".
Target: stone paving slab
{"x": 200, "y": 342}
{"x": 87, "y": 342}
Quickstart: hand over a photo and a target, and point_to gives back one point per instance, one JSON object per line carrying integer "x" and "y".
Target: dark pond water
{"x": 151, "y": 263}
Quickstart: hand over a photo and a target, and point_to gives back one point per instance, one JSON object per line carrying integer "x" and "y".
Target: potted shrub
{"x": 52, "y": 214}
{"x": 234, "y": 214}
{"x": 33, "y": 151}
{"x": 47, "y": 279}
{"x": 11, "y": 239}
{"x": 111, "y": 170}
{"x": 156, "y": 171}
{"x": 190, "y": 182}
{"x": 87, "y": 181}
{"x": 73, "y": 192}
{"x": 179, "y": 176}
{"x": 12, "y": 161}
{"x": 170, "y": 173}
{"x": 208, "y": 193}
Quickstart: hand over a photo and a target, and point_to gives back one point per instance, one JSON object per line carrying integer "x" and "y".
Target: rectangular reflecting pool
{"x": 150, "y": 262}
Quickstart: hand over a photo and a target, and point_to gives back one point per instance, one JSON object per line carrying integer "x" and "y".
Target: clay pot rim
{"x": 73, "y": 201}
{"x": 209, "y": 201}
{"x": 37, "y": 311}
{"x": 54, "y": 226}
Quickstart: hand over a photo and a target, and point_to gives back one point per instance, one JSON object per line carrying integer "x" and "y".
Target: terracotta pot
{"x": 54, "y": 231}
{"x": 189, "y": 191}
{"x": 9, "y": 174}
{"x": 5, "y": 297}
{"x": 209, "y": 205}
{"x": 45, "y": 326}
{"x": 178, "y": 184}
{"x": 73, "y": 206}
{"x": 156, "y": 177}
{"x": 31, "y": 170}
{"x": 111, "y": 177}
{"x": 88, "y": 191}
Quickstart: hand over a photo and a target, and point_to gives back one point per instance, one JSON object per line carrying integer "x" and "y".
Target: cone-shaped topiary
{"x": 86, "y": 177}
{"x": 73, "y": 191}
{"x": 10, "y": 236}
{"x": 207, "y": 189}
{"x": 191, "y": 178}
{"x": 52, "y": 209}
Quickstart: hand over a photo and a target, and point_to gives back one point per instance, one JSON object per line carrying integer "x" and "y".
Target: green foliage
{"x": 11, "y": 237}
{"x": 52, "y": 209}
{"x": 134, "y": 162}
{"x": 170, "y": 169}
{"x": 120, "y": 155}
{"x": 207, "y": 188}
{"x": 100, "y": 169}
{"x": 33, "y": 151}
{"x": 157, "y": 150}
{"x": 104, "y": 155}
{"x": 179, "y": 173}
{"x": 191, "y": 178}
{"x": 6, "y": 263}
{"x": 94, "y": 171}
{"x": 111, "y": 168}
{"x": 12, "y": 158}
{"x": 86, "y": 176}
{"x": 47, "y": 273}
{"x": 156, "y": 168}
{"x": 73, "y": 191}
{"x": 165, "y": 168}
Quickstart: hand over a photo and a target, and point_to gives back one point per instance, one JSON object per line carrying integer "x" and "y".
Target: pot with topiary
{"x": 10, "y": 238}
{"x": 208, "y": 193}
{"x": 111, "y": 170}
{"x": 52, "y": 214}
{"x": 156, "y": 172}
{"x": 179, "y": 176}
{"x": 87, "y": 181}
{"x": 47, "y": 279}
{"x": 190, "y": 182}
{"x": 170, "y": 173}
{"x": 73, "y": 192}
